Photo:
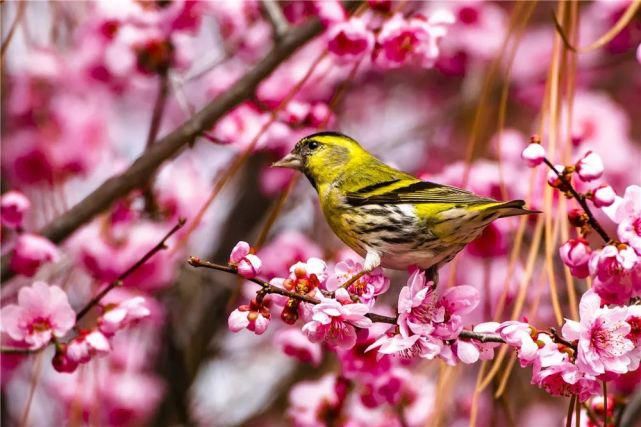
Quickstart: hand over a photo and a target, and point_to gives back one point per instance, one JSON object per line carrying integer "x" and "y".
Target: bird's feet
{"x": 431, "y": 274}
{"x": 372, "y": 260}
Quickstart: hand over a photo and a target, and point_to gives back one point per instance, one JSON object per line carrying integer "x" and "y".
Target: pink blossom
{"x": 30, "y": 252}
{"x": 628, "y": 216}
{"x": 294, "y": 343}
{"x": 254, "y": 317}
{"x": 329, "y": 11}
{"x": 634, "y": 320}
{"x": 417, "y": 306}
{"x": 351, "y": 40}
{"x": 42, "y": 312}
{"x": 613, "y": 263}
{"x": 601, "y": 333}
{"x": 471, "y": 351}
{"x": 411, "y": 41}
{"x": 565, "y": 379}
{"x": 519, "y": 335}
{"x": 575, "y": 253}
{"x": 603, "y": 196}
{"x": 13, "y": 206}
{"x": 334, "y": 321}
{"x": 533, "y": 154}
{"x": 400, "y": 342}
{"x": 368, "y": 287}
{"x": 590, "y": 166}
{"x": 314, "y": 267}
{"x": 119, "y": 316}
{"x": 454, "y": 302}
{"x": 87, "y": 345}
{"x": 247, "y": 264}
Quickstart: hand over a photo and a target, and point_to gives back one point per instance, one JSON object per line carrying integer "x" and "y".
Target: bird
{"x": 389, "y": 217}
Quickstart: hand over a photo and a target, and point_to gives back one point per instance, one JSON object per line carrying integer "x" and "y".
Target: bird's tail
{"x": 514, "y": 208}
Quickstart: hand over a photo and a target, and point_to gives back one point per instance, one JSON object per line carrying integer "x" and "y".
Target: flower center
{"x": 40, "y": 325}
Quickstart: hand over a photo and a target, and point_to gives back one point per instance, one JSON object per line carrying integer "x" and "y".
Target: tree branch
{"x": 170, "y": 145}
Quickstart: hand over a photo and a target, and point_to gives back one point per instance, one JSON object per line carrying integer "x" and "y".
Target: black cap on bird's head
{"x": 311, "y": 144}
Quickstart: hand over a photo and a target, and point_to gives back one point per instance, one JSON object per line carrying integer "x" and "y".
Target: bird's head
{"x": 323, "y": 156}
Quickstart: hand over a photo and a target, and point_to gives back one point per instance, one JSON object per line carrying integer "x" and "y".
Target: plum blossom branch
{"x": 379, "y": 318}
{"x": 118, "y": 282}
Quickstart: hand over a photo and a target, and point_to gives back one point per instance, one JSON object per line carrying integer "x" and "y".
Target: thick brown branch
{"x": 170, "y": 145}
{"x": 159, "y": 247}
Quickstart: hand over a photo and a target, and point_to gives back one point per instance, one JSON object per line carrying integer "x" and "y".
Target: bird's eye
{"x": 312, "y": 145}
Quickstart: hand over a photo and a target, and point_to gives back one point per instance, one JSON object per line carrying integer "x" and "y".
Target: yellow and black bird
{"x": 387, "y": 216}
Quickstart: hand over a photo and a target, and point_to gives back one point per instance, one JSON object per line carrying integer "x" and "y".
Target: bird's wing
{"x": 405, "y": 191}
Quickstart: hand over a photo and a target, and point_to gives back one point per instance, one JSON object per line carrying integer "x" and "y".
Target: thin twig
{"x": 170, "y": 145}
{"x": 567, "y": 185}
{"x": 605, "y": 403}
{"x": 156, "y": 118}
{"x": 160, "y": 246}
{"x": 568, "y": 420}
{"x": 276, "y": 19}
{"x": 22, "y": 5}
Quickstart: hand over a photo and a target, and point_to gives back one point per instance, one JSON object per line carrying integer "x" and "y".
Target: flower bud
{"x": 590, "y": 166}
{"x": 249, "y": 267}
{"x": 603, "y": 196}
{"x": 30, "y": 252}
{"x": 575, "y": 253}
{"x": 533, "y": 154}
{"x": 577, "y": 218}
{"x": 552, "y": 178}
{"x": 13, "y": 206}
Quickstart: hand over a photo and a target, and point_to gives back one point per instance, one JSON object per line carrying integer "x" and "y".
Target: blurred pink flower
{"x": 312, "y": 402}
{"x": 129, "y": 397}
{"x": 247, "y": 264}
{"x": 42, "y": 312}
{"x": 288, "y": 248}
{"x": 294, "y": 343}
{"x": 533, "y": 154}
{"x": 601, "y": 334}
{"x": 411, "y": 41}
{"x": 107, "y": 249}
{"x": 87, "y": 345}
{"x": 350, "y": 41}
{"x": 628, "y": 216}
{"x": 603, "y": 196}
{"x": 118, "y": 316}
{"x": 590, "y": 166}
{"x": 254, "y": 317}
{"x": 575, "y": 253}
{"x": 30, "y": 252}
{"x": 13, "y": 206}
{"x": 334, "y": 320}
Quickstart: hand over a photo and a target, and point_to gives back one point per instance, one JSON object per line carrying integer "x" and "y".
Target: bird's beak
{"x": 292, "y": 161}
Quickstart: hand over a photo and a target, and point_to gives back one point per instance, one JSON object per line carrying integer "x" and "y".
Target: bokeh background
{"x": 89, "y": 87}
